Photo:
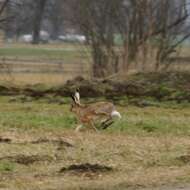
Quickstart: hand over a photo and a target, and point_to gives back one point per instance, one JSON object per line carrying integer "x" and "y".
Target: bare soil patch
{"x": 86, "y": 168}
{"x": 5, "y": 140}
{"x": 184, "y": 158}
{"x": 60, "y": 142}
{"x": 27, "y": 160}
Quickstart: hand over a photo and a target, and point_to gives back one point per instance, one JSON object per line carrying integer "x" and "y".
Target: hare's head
{"x": 76, "y": 101}
{"x": 77, "y": 96}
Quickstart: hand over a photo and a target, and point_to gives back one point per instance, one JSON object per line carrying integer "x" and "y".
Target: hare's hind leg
{"x": 110, "y": 119}
{"x": 107, "y": 123}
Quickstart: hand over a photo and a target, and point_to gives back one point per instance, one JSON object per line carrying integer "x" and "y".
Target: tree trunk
{"x": 40, "y": 6}
{"x": 55, "y": 29}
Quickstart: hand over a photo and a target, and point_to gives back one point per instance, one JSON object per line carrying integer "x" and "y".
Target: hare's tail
{"x": 115, "y": 114}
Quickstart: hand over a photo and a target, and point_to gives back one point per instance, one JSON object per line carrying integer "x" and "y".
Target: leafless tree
{"x": 3, "y": 17}
{"x": 55, "y": 15}
{"x": 122, "y": 34}
{"x": 96, "y": 21}
{"x": 26, "y": 17}
{"x": 39, "y": 11}
{"x": 149, "y": 31}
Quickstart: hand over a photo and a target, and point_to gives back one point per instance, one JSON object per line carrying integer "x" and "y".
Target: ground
{"x": 148, "y": 148}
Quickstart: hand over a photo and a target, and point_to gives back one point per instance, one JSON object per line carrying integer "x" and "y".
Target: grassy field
{"x": 46, "y": 51}
{"x": 56, "y": 63}
{"x": 49, "y": 63}
{"x": 149, "y": 147}
{"x": 39, "y": 149}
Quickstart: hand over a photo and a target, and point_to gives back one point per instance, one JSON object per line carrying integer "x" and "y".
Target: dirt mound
{"x": 86, "y": 169}
{"x": 5, "y": 140}
{"x": 160, "y": 86}
{"x": 185, "y": 159}
{"x": 27, "y": 160}
{"x": 60, "y": 142}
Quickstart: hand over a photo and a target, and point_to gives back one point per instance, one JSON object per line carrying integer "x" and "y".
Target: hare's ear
{"x": 77, "y": 96}
{"x": 72, "y": 96}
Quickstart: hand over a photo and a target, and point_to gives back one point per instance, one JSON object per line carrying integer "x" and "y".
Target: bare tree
{"x": 148, "y": 30}
{"x": 96, "y": 22}
{"x": 56, "y": 17}
{"x": 3, "y": 7}
{"x": 29, "y": 16}
{"x": 39, "y": 11}
{"x": 123, "y": 34}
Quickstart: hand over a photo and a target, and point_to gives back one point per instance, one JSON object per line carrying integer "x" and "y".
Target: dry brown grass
{"x": 36, "y": 78}
{"x": 136, "y": 161}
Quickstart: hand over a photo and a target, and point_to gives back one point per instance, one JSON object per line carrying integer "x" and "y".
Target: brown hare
{"x": 88, "y": 114}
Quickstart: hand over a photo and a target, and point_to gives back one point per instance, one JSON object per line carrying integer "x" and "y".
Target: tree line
{"x": 150, "y": 31}
{"x": 122, "y": 34}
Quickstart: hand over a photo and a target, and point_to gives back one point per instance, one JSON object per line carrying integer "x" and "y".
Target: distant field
{"x": 41, "y": 50}
{"x": 56, "y": 63}
{"x": 149, "y": 147}
{"x": 52, "y": 64}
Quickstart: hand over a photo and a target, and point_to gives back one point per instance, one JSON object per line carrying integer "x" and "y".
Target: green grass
{"x": 166, "y": 119}
{"x": 147, "y": 147}
{"x": 6, "y": 166}
{"x": 54, "y": 53}
{"x": 36, "y": 115}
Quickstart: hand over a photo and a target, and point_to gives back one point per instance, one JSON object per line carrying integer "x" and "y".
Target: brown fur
{"x": 89, "y": 113}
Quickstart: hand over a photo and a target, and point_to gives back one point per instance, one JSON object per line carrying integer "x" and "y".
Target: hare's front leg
{"x": 79, "y": 125}
{"x": 77, "y": 129}
{"x": 93, "y": 126}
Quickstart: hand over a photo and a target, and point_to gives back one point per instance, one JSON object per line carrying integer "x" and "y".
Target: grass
{"x": 24, "y": 64}
{"x": 41, "y": 114}
{"x": 41, "y": 51}
{"x": 35, "y": 115}
{"x": 148, "y": 147}
{"x": 49, "y": 63}
{"x": 155, "y": 120}
{"x": 6, "y": 166}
